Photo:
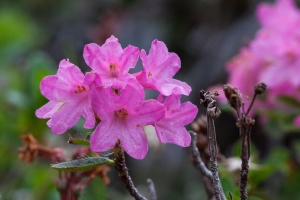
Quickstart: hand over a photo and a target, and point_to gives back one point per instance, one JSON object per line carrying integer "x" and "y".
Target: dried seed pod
{"x": 233, "y": 96}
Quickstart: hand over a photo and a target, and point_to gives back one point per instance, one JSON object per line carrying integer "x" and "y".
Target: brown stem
{"x": 121, "y": 167}
{"x": 245, "y": 124}
{"x": 251, "y": 104}
{"x": 197, "y": 161}
{"x": 207, "y": 99}
{"x": 213, "y": 156}
{"x": 199, "y": 164}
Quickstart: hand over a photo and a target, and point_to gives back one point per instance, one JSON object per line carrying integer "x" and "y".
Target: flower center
{"x": 149, "y": 74}
{"x": 79, "y": 89}
{"x": 122, "y": 113}
{"x": 113, "y": 70}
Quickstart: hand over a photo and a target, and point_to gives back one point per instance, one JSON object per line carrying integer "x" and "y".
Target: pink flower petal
{"x": 172, "y": 103}
{"x": 89, "y": 116}
{"x": 158, "y": 69}
{"x": 111, "y": 50}
{"x": 69, "y": 73}
{"x": 170, "y": 129}
{"x": 172, "y": 86}
{"x": 92, "y": 56}
{"x": 66, "y": 117}
{"x": 111, "y": 62}
{"x": 167, "y": 133}
{"x": 130, "y": 97}
{"x": 104, "y": 100}
{"x": 148, "y": 113}
{"x": 69, "y": 97}
{"x": 48, "y": 109}
{"x": 158, "y": 53}
{"x": 105, "y": 135}
{"x": 123, "y": 114}
{"x": 129, "y": 58}
{"x": 164, "y": 70}
{"x": 54, "y": 89}
{"x": 134, "y": 141}
{"x": 132, "y": 138}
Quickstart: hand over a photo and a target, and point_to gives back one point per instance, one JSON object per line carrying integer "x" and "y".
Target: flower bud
{"x": 260, "y": 88}
{"x": 233, "y": 96}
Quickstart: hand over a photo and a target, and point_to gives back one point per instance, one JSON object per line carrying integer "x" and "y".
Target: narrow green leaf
{"x": 82, "y": 164}
{"x": 106, "y": 153}
{"x": 78, "y": 141}
{"x": 292, "y": 101}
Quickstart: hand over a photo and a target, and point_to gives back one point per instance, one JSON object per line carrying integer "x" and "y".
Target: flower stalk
{"x": 245, "y": 124}
{"x": 121, "y": 167}
{"x": 207, "y": 99}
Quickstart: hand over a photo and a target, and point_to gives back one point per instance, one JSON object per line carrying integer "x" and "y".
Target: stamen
{"x": 80, "y": 88}
{"x": 113, "y": 70}
{"x": 122, "y": 113}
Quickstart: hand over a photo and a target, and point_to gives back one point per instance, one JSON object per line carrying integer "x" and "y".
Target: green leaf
{"x": 106, "y": 153}
{"x": 82, "y": 164}
{"x": 79, "y": 141}
{"x": 289, "y": 101}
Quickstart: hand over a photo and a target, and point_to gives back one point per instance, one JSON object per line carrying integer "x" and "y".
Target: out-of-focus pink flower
{"x": 111, "y": 62}
{"x": 297, "y": 121}
{"x": 277, "y": 46}
{"x": 273, "y": 56}
{"x": 122, "y": 118}
{"x": 170, "y": 129}
{"x": 159, "y": 67}
{"x": 243, "y": 71}
{"x": 68, "y": 92}
{"x": 280, "y": 16}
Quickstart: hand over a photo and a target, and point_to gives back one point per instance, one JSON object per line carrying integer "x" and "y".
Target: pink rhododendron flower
{"x": 122, "y": 118}
{"x": 159, "y": 67}
{"x": 170, "y": 129}
{"x": 68, "y": 92}
{"x": 111, "y": 62}
{"x": 115, "y": 97}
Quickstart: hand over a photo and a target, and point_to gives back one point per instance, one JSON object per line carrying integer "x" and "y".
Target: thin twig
{"x": 207, "y": 99}
{"x": 251, "y": 104}
{"x": 121, "y": 167}
{"x": 199, "y": 164}
{"x": 152, "y": 191}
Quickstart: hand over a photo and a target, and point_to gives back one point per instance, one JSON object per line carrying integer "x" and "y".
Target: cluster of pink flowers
{"x": 273, "y": 56}
{"x": 114, "y": 98}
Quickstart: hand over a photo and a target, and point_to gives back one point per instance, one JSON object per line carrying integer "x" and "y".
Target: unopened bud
{"x": 233, "y": 96}
{"x": 260, "y": 88}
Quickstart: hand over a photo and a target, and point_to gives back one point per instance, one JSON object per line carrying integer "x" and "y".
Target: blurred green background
{"x": 36, "y": 34}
